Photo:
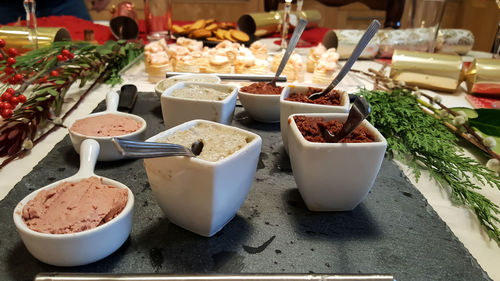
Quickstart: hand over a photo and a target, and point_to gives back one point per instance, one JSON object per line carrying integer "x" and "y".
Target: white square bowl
{"x": 177, "y": 110}
{"x": 199, "y": 195}
{"x": 334, "y": 176}
{"x": 288, "y": 108}
{"x": 261, "y": 107}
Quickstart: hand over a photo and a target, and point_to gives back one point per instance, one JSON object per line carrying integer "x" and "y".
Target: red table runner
{"x": 76, "y": 27}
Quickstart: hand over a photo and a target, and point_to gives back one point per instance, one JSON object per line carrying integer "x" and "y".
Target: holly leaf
{"x": 487, "y": 121}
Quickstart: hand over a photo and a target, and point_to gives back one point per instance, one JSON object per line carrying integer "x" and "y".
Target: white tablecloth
{"x": 461, "y": 220}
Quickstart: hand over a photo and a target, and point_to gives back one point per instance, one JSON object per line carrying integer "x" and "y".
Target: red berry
{"x": 7, "y": 105}
{"x": 71, "y": 56}
{"x": 2, "y": 105}
{"x": 14, "y": 100}
{"x": 12, "y": 52}
{"x": 1, "y": 56}
{"x": 12, "y": 80}
{"x": 18, "y": 77}
{"x": 6, "y": 96}
{"x": 2, "y": 43}
{"x": 22, "y": 98}
{"x": 10, "y": 91}
{"x": 11, "y": 61}
{"x": 65, "y": 52}
{"x": 54, "y": 73}
{"x": 6, "y": 113}
{"x": 8, "y": 70}
{"x": 61, "y": 58}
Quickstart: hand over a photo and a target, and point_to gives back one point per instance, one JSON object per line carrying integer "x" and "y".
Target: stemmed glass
{"x": 29, "y": 7}
{"x": 284, "y": 25}
{"x": 497, "y": 37}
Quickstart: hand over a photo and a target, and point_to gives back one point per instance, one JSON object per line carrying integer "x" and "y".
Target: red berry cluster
{"x": 16, "y": 78}
{"x": 65, "y": 55}
{"x": 8, "y": 101}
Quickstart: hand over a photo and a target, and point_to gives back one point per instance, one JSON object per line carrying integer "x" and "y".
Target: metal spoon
{"x": 291, "y": 46}
{"x": 138, "y": 149}
{"x": 369, "y": 33}
{"x": 359, "y": 111}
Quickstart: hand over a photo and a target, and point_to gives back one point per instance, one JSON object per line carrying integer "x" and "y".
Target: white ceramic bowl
{"x": 177, "y": 110}
{"x": 263, "y": 108}
{"x": 108, "y": 151}
{"x": 74, "y": 249}
{"x": 205, "y": 78}
{"x": 288, "y": 108}
{"x": 198, "y": 195}
{"x": 334, "y": 176}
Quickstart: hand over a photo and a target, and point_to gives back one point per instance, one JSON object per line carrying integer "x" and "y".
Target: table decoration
{"x": 263, "y": 24}
{"x": 413, "y": 124}
{"x": 454, "y": 41}
{"x": 35, "y": 84}
{"x": 483, "y": 77}
{"x": 19, "y": 36}
{"x": 439, "y": 72}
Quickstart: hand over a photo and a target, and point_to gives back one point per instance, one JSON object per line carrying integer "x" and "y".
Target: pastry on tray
{"x": 294, "y": 69}
{"x": 186, "y": 64}
{"x": 259, "y": 50}
{"x": 247, "y": 63}
{"x": 157, "y": 61}
{"x": 326, "y": 67}
{"x": 218, "y": 62}
{"x": 192, "y": 45}
{"x": 314, "y": 56}
{"x": 229, "y": 48}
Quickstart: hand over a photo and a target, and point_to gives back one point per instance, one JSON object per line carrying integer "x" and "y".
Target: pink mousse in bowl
{"x": 103, "y": 126}
{"x": 74, "y": 206}
{"x": 106, "y": 125}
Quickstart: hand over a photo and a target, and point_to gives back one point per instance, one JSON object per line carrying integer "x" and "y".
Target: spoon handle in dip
{"x": 360, "y": 47}
{"x": 291, "y": 46}
{"x": 138, "y": 149}
{"x": 359, "y": 111}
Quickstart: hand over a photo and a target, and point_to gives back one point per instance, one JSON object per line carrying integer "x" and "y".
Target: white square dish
{"x": 288, "y": 108}
{"x": 334, "y": 176}
{"x": 177, "y": 110}
{"x": 198, "y": 195}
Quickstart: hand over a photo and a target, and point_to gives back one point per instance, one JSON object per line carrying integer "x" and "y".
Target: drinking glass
{"x": 426, "y": 16}
{"x": 158, "y": 15}
{"x": 285, "y": 24}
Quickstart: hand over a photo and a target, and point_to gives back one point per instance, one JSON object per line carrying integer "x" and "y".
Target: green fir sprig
{"x": 50, "y": 79}
{"x": 422, "y": 141}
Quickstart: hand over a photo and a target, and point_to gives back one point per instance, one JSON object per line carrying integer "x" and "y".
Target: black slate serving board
{"x": 393, "y": 231}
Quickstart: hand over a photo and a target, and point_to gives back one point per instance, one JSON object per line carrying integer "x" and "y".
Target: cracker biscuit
{"x": 239, "y": 35}
{"x": 201, "y": 33}
{"x": 227, "y": 36}
{"x": 197, "y": 25}
{"x": 178, "y": 29}
{"x": 211, "y": 27}
{"x": 219, "y": 33}
{"x": 209, "y": 21}
{"x": 214, "y": 39}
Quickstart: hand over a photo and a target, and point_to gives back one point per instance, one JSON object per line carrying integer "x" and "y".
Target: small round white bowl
{"x": 198, "y": 195}
{"x": 334, "y": 176}
{"x": 261, "y": 107}
{"x": 205, "y": 78}
{"x": 80, "y": 248}
{"x": 177, "y": 110}
{"x": 288, "y": 108}
{"x": 108, "y": 151}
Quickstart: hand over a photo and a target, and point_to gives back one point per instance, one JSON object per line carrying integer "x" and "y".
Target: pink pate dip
{"x": 106, "y": 125}
{"x": 74, "y": 206}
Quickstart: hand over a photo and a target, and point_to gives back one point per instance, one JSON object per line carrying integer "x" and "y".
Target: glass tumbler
{"x": 158, "y": 16}
{"x": 426, "y": 16}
